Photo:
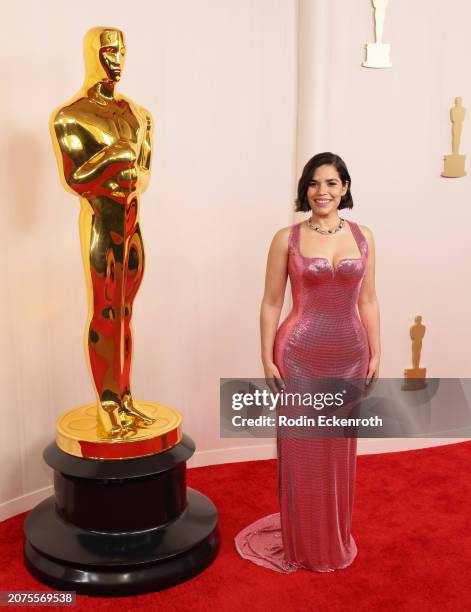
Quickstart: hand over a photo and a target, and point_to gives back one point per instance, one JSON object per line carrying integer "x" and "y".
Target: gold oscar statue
{"x": 415, "y": 376}
{"x": 103, "y": 143}
{"x": 122, "y": 520}
{"x": 454, "y": 164}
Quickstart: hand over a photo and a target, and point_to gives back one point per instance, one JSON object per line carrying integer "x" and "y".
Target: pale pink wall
{"x": 221, "y": 80}
{"x": 392, "y": 128}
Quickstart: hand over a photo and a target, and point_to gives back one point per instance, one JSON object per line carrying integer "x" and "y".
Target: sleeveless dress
{"x": 321, "y": 338}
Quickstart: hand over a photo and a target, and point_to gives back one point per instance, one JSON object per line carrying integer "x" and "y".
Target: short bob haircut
{"x": 323, "y": 159}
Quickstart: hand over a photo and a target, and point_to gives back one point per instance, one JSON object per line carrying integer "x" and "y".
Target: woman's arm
{"x": 273, "y": 297}
{"x": 369, "y": 309}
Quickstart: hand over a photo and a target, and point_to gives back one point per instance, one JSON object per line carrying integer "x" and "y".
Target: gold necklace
{"x": 316, "y": 228}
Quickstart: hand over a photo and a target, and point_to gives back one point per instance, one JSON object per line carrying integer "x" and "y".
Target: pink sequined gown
{"x": 322, "y": 337}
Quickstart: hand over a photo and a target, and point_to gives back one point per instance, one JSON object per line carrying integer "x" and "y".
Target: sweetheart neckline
{"x": 331, "y": 265}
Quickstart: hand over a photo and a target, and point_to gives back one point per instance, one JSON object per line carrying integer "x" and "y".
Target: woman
{"x": 331, "y": 332}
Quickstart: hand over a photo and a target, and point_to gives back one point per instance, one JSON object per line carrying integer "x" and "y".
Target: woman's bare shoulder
{"x": 283, "y": 233}
{"x": 367, "y": 233}
{"x": 281, "y": 238}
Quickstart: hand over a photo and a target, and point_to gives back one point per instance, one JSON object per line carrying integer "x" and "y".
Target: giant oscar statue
{"x": 122, "y": 520}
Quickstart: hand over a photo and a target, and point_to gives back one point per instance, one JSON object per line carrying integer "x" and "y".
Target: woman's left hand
{"x": 373, "y": 371}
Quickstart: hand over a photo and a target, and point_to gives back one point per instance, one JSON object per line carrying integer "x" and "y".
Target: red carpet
{"x": 412, "y": 524}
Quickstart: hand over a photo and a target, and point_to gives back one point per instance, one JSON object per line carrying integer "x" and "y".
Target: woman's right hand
{"x": 273, "y": 378}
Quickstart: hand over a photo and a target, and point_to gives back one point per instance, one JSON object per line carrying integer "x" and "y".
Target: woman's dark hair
{"x": 322, "y": 159}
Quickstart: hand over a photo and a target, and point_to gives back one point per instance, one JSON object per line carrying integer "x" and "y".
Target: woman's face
{"x": 325, "y": 190}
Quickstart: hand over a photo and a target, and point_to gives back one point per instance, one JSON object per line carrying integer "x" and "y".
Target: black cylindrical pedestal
{"x": 120, "y": 527}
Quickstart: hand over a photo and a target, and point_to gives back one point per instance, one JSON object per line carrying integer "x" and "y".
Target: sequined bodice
{"x": 323, "y": 332}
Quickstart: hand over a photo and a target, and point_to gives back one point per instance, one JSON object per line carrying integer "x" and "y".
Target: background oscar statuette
{"x": 122, "y": 520}
{"x": 414, "y": 378}
{"x": 378, "y": 53}
{"x": 454, "y": 163}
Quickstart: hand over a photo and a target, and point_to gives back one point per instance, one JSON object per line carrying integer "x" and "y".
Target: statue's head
{"x": 418, "y": 319}
{"x": 104, "y": 52}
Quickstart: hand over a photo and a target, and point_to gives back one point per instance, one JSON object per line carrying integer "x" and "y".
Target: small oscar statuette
{"x": 377, "y": 53}
{"x": 454, "y": 163}
{"x": 122, "y": 520}
{"x": 414, "y": 378}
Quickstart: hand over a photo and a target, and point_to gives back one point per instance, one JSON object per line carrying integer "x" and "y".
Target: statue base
{"x": 120, "y": 528}
{"x": 377, "y": 56}
{"x": 414, "y": 379}
{"x": 77, "y": 433}
{"x": 454, "y": 166}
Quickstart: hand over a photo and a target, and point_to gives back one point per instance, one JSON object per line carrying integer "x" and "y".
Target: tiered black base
{"x": 120, "y": 528}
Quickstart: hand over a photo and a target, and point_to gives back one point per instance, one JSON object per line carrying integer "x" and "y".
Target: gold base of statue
{"x": 454, "y": 166}
{"x": 414, "y": 379}
{"x": 77, "y": 433}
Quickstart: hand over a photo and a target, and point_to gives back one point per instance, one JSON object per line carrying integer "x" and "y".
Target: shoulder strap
{"x": 360, "y": 238}
{"x": 293, "y": 242}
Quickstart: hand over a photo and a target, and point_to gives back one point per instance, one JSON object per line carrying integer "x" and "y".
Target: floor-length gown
{"x": 321, "y": 338}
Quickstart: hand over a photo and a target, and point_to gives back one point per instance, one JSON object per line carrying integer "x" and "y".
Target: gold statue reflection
{"x": 103, "y": 146}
